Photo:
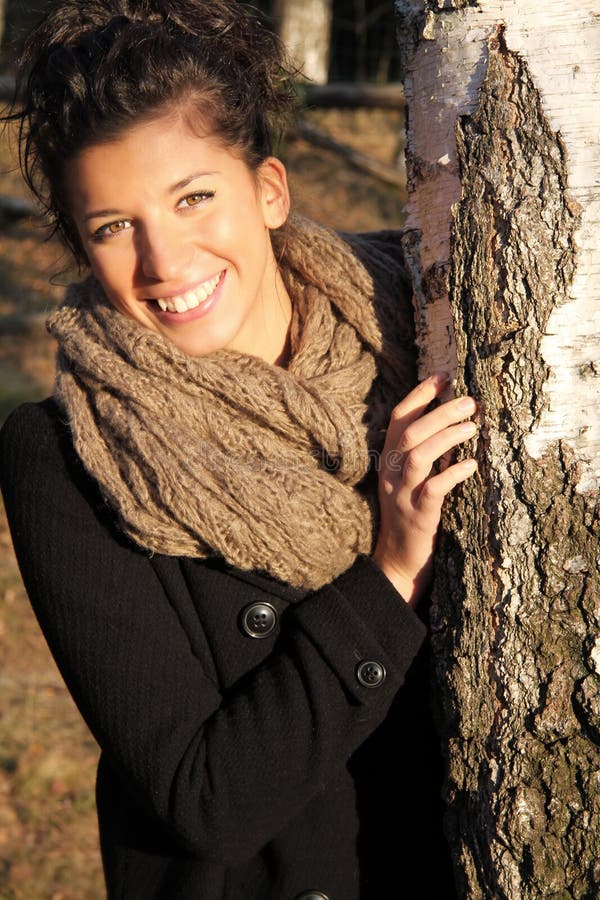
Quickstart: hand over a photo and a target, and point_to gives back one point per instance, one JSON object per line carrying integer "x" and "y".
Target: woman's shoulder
{"x": 44, "y": 484}
{"x": 39, "y": 415}
{"x": 36, "y": 447}
{"x": 29, "y": 433}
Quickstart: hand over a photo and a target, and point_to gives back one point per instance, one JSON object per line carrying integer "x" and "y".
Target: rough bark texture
{"x": 517, "y": 666}
{"x": 415, "y": 18}
{"x": 516, "y": 607}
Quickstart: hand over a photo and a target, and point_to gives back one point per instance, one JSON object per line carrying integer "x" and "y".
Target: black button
{"x": 370, "y": 673}
{"x": 259, "y": 620}
{"x": 312, "y": 895}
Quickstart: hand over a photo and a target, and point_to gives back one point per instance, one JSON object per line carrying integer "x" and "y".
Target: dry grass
{"x": 48, "y": 839}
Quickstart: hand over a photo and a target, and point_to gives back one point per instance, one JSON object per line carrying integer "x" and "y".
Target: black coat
{"x": 247, "y": 752}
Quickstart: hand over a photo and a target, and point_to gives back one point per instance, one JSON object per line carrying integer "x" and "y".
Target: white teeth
{"x": 191, "y": 299}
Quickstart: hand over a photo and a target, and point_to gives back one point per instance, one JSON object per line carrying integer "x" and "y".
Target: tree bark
{"x": 503, "y": 166}
{"x": 305, "y": 28}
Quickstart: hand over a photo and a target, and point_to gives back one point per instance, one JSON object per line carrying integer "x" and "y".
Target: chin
{"x": 193, "y": 345}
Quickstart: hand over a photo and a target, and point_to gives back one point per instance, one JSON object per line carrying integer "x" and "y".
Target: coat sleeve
{"x": 193, "y": 757}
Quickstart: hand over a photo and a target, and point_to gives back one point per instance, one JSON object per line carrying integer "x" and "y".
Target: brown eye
{"x": 111, "y": 229}
{"x": 196, "y": 199}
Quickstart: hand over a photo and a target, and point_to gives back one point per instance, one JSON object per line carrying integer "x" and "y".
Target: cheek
{"x": 238, "y": 234}
{"x": 112, "y": 270}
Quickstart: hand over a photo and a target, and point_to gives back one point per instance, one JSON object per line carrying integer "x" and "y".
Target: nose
{"x": 164, "y": 254}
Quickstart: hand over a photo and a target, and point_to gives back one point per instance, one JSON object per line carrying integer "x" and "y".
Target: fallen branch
{"x": 14, "y": 208}
{"x": 349, "y": 94}
{"x": 382, "y": 171}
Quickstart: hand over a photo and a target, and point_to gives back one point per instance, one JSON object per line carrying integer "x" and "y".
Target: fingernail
{"x": 470, "y": 465}
{"x": 441, "y": 378}
{"x": 467, "y": 404}
{"x": 468, "y": 427}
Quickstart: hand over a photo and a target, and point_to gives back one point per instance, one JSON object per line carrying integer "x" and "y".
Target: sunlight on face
{"x": 176, "y": 230}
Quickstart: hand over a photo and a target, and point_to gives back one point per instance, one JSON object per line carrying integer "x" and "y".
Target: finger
{"x": 435, "y": 489}
{"x": 438, "y": 419}
{"x": 416, "y": 465}
{"x": 415, "y": 403}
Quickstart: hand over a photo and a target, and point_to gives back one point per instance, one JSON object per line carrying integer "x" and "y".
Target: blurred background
{"x": 355, "y": 37}
{"x": 344, "y": 157}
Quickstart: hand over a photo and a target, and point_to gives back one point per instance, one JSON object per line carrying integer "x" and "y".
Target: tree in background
{"x": 305, "y": 28}
{"x": 503, "y": 167}
{"x": 347, "y": 40}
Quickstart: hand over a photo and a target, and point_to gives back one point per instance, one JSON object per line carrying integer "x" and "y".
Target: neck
{"x": 276, "y": 342}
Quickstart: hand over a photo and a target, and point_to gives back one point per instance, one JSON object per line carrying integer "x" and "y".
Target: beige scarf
{"x": 274, "y": 469}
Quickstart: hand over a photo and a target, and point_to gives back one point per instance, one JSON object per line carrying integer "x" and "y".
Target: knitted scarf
{"x": 274, "y": 469}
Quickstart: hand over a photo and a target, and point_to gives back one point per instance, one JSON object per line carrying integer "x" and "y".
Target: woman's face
{"x": 176, "y": 229}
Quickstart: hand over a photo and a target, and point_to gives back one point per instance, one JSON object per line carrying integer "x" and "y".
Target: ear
{"x": 274, "y": 192}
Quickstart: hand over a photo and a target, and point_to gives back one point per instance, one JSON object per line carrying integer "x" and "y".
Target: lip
{"x": 175, "y": 318}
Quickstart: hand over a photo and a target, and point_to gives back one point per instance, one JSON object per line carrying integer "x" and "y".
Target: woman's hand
{"x": 410, "y": 496}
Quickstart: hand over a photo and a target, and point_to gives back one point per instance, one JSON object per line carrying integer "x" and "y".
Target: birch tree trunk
{"x": 305, "y": 28}
{"x": 503, "y": 165}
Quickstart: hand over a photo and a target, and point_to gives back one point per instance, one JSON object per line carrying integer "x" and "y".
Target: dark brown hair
{"x": 94, "y": 67}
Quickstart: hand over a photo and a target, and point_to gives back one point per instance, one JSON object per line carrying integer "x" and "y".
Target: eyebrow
{"x": 187, "y": 180}
{"x": 178, "y": 186}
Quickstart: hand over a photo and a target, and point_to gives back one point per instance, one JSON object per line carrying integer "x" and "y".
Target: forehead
{"x": 148, "y": 158}
{"x": 165, "y": 136}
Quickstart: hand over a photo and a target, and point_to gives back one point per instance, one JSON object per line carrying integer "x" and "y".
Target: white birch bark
{"x": 305, "y": 28}
{"x": 561, "y": 43}
{"x": 503, "y": 165}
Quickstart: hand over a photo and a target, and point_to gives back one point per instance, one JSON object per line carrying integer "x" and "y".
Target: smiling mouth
{"x": 182, "y": 303}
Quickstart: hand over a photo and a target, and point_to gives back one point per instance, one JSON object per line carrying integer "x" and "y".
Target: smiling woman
{"x": 176, "y": 228}
{"x": 225, "y": 515}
